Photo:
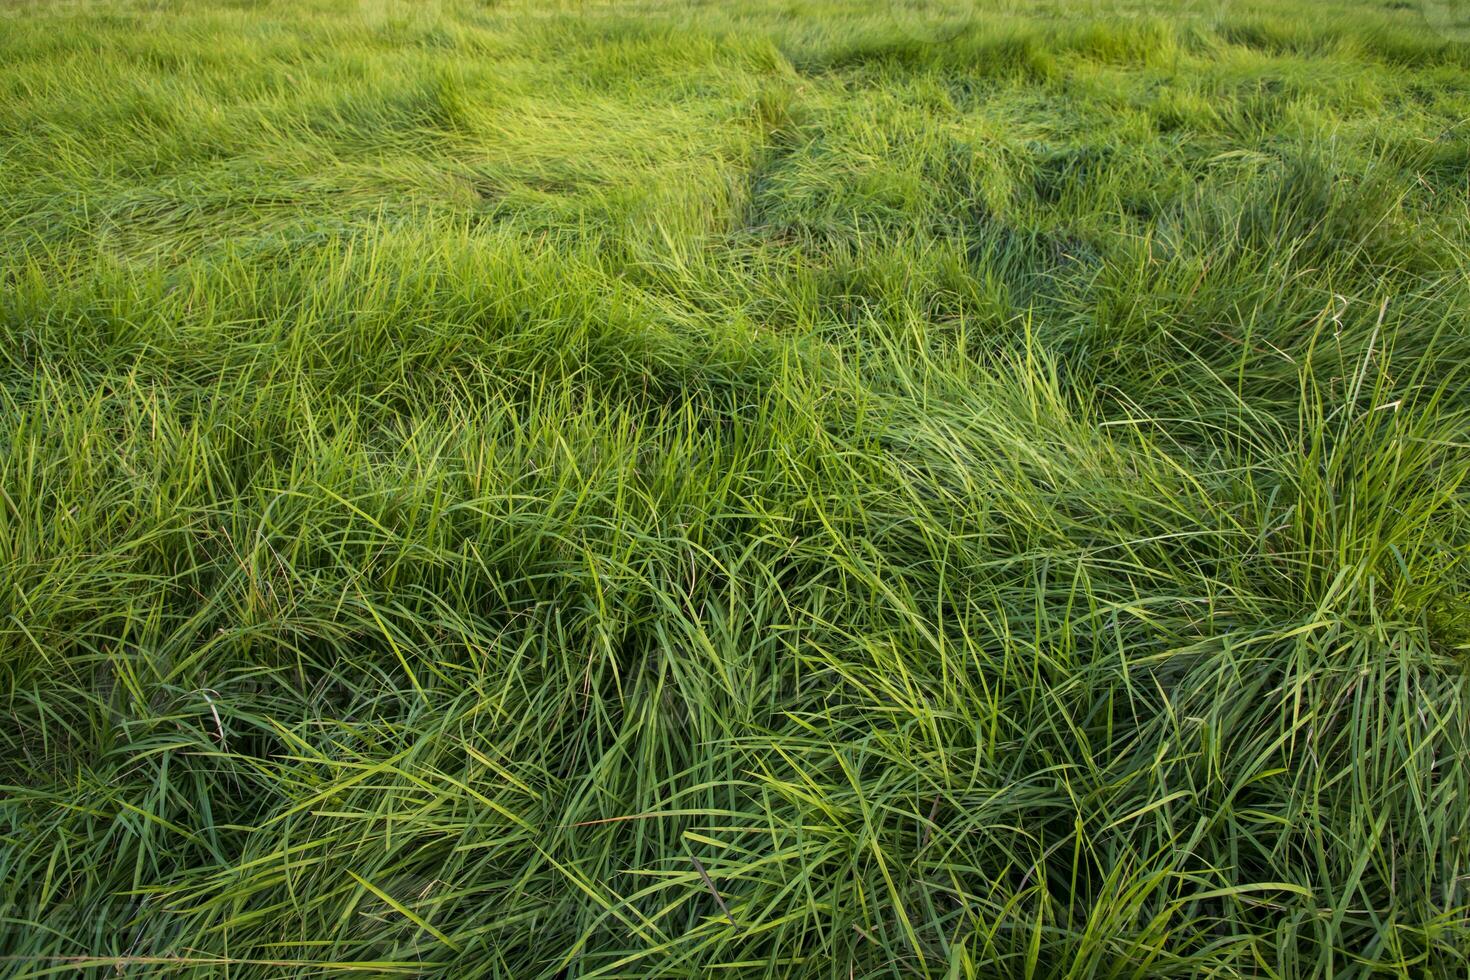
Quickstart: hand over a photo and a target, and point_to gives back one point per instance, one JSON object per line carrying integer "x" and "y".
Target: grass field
{"x": 770, "y": 489}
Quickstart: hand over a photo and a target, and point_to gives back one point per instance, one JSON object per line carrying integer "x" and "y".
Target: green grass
{"x": 762, "y": 489}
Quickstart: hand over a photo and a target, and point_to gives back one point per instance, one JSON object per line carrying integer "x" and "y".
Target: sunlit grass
{"x": 492, "y": 489}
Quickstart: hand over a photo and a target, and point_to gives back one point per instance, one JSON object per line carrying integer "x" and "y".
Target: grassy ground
{"x": 762, "y": 489}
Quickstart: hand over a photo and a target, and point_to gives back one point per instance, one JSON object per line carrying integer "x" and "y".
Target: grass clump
{"x": 522, "y": 490}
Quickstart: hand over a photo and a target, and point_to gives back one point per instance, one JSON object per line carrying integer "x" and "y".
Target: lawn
{"x": 786, "y": 488}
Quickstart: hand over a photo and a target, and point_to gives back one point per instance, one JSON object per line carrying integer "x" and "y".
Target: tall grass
{"x": 755, "y": 490}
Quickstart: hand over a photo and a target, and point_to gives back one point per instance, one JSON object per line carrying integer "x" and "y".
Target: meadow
{"x": 792, "y": 488}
